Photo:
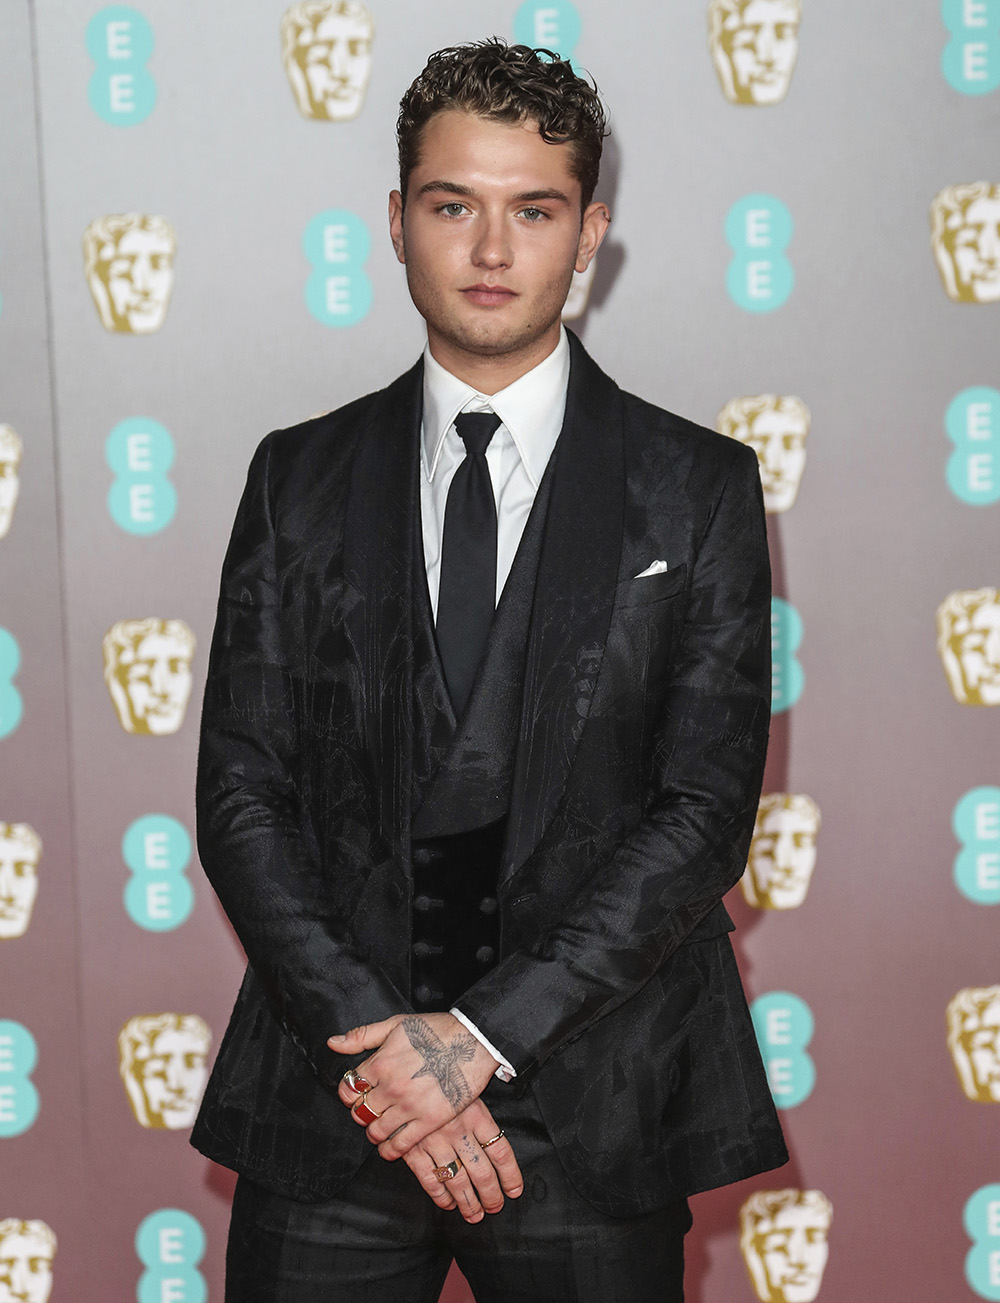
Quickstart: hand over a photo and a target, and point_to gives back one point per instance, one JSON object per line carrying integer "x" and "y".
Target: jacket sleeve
{"x": 690, "y": 846}
{"x": 254, "y": 837}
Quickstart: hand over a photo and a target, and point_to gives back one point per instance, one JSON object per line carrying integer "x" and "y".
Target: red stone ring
{"x": 363, "y": 1112}
{"x": 354, "y": 1081}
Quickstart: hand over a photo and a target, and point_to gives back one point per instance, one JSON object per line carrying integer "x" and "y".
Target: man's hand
{"x": 486, "y": 1174}
{"x": 427, "y": 1069}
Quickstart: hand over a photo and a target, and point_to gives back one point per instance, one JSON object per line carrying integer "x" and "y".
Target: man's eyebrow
{"x": 525, "y": 196}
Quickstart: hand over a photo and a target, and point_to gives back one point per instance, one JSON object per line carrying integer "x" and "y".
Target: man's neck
{"x": 489, "y": 374}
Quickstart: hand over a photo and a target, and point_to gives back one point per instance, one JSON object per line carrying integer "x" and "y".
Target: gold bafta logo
{"x": 163, "y": 1061}
{"x": 782, "y": 851}
{"x": 128, "y": 259}
{"x": 27, "y": 1251}
{"x": 326, "y": 47}
{"x": 754, "y": 45}
{"x": 974, "y": 1041}
{"x": 776, "y": 428}
{"x": 10, "y": 475}
{"x": 784, "y": 1242}
{"x": 147, "y": 667}
{"x": 968, "y": 627}
{"x": 20, "y": 852}
{"x": 965, "y": 237}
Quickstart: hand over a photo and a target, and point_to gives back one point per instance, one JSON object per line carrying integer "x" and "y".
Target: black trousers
{"x": 382, "y": 1240}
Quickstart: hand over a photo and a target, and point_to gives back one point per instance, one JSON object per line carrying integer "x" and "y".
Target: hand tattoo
{"x": 441, "y": 1060}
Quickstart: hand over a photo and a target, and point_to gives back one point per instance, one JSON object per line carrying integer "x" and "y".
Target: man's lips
{"x": 488, "y": 296}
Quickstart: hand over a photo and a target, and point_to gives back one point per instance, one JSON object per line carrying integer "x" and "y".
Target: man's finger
{"x": 501, "y": 1155}
{"x": 367, "y": 1037}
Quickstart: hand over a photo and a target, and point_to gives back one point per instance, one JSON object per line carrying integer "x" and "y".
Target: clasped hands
{"x": 426, "y": 1076}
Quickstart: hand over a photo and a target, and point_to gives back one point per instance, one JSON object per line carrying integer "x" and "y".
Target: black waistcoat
{"x": 462, "y": 775}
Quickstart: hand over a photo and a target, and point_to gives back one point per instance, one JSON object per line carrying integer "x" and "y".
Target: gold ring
{"x": 449, "y": 1170}
{"x": 486, "y": 1143}
{"x": 353, "y": 1080}
{"x": 363, "y": 1110}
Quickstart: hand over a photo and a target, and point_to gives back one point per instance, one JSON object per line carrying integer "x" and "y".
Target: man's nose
{"x": 492, "y": 247}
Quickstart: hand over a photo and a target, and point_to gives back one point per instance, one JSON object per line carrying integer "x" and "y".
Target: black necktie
{"x": 467, "y": 592}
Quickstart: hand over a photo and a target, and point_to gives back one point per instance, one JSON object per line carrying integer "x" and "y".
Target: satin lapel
{"x": 577, "y": 576}
{"x": 378, "y": 535}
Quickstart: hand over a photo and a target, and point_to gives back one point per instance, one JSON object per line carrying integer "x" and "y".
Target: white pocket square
{"x": 657, "y": 568}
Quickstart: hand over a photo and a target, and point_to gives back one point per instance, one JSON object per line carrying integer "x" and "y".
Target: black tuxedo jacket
{"x": 638, "y": 765}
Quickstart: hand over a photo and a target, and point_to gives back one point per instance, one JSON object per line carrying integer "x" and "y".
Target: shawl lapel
{"x": 574, "y": 595}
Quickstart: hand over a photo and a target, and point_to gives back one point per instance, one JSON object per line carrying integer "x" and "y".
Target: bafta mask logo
{"x": 782, "y": 851}
{"x": 974, "y": 1041}
{"x": 128, "y": 260}
{"x": 783, "y": 1239}
{"x": 754, "y": 46}
{"x": 10, "y": 475}
{"x": 326, "y": 47}
{"x": 965, "y": 237}
{"x": 776, "y": 428}
{"x": 968, "y": 624}
{"x": 163, "y": 1060}
{"x": 20, "y": 851}
{"x": 147, "y": 667}
{"x": 27, "y": 1250}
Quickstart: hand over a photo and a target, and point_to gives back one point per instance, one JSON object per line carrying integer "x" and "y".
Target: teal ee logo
{"x": 121, "y": 91}
{"x": 982, "y": 1225}
{"x": 141, "y": 499}
{"x": 18, "y": 1096}
{"x": 170, "y": 1244}
{"x": 11, "y": 706}
{"x": 976, "y": 822}
{"x": 784, "y": 1027}
{"x": 759, "y": 230}
{"x": 336, "y": 244}
{"x": 971, "y": 59}
{"x": 973, "y": 426}
{"x": 552, "y": 26}
{"x": 158, "y": 897}
{"x": 787, "y": 676}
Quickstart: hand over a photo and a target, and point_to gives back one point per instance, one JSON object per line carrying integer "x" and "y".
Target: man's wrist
{"x": 505, "y": 1071}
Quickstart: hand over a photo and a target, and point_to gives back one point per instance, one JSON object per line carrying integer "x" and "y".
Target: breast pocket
{"x": 651, "y": 588}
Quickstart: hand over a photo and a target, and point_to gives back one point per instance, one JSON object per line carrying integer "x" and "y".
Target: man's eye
{"x": 532, "y": 214}
{"x": 453, "y": 210}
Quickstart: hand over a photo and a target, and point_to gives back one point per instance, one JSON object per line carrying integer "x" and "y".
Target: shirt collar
{"x": 531, "y": 409}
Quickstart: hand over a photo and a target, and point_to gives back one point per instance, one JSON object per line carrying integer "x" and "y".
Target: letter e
{"x": 335, "y": 243}
{"x": 171, "y": 1244}
{"x": 987, "y": 821}
{"x": 120, "y": 92}
{"x": 758, "y": 228}
{"x": 546, "y": 26}
{"x": 974, "y": 60}
{"x": 119, "y": 38}
{"x": 779, "y": 1027}
{"x": 154, "y": 847}
{"x": 759, "y": 280}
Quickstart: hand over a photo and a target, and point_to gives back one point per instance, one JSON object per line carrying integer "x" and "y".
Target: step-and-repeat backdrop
{"x": 806, "y": 255}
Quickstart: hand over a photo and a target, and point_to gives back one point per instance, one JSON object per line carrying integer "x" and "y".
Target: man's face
{"x": 975, "y": 644}
{"x": 25, "y": 1268}
{"x": 172, "y": 1073}
{"x": 760, "y": 46}
{"x": 783, "y": 856}
{"x": 793, "y": 1247}
{"x": 10, "y": 483}
{"x": 336, "y": 65}
{"x": 157, "y": 683}
{"x": 138, "y": 274}
{"x": 18, "y": 882}
{"x": 779, "y": 440}
{"x": 491, "y": 237}
{"x": 975, "y": 251}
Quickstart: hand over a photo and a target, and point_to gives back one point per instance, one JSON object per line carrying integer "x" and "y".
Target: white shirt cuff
{"x": 505, "y": 1071}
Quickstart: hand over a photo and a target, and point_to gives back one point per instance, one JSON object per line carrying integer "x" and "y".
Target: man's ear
{"x": 596, "y": 219}
{"x": 396, "y": 223}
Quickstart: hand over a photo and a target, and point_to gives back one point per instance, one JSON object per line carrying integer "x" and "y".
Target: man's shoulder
{"x": 659, "y": 433}
{"x": 328, "y": 434}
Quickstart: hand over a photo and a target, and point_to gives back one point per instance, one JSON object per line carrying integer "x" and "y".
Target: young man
{"x": 483, "y": 741}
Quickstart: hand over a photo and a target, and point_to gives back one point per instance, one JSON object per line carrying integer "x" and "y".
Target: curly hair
{"x": 512, "y": 84}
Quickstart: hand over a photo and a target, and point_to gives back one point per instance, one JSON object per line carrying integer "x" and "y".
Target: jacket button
{"x": 485, "y": 954}
{"x": 488, "y": 905}
{"x": 422, "y": 904}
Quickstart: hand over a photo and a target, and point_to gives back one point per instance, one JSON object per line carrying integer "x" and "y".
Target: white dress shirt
{"x": 531, "y": 413}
